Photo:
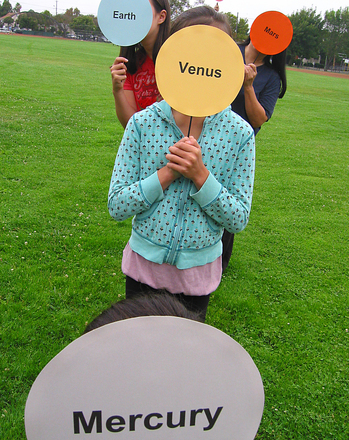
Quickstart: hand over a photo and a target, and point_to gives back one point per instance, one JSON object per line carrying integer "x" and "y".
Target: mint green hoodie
{"x": 181, "y": 225}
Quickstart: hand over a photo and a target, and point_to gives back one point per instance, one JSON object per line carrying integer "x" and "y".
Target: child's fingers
{"x": 189, "y": 140}
{"x": 118, "y": 68}
{"x": 119, "y": 74}
{"x": 175, "y": 158}
{"x": 193, "y": 141}
{"x": 118, "y": 79}
{"x": 119, "y": 60}
{"x": 179, "y": 150}
{"x": 186, "y": 146}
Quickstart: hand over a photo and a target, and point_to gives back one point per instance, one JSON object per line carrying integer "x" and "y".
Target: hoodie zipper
{"x": 171, "y": 258}
{"x": 179, "y": 228}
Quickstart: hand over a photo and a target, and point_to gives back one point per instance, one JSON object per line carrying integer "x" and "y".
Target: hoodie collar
{"x": 163, "y": 109}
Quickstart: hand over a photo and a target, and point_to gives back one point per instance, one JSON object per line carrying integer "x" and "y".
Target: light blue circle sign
{"x": 125, "y": 23}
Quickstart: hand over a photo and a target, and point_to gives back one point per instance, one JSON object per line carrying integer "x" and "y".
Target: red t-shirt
{"x": 143, "y": 84}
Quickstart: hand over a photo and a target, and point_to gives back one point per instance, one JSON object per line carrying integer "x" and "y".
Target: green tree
{"x": 239, "y": 27}
{"x": 178, "y": 6}
{"x": 28, "y": 22}
{"x": 61, "y": 18}
{"x": 72, "y": 13}
{"x": 5, "y": 8}
{"x": 307, "y": 34}
{"x": 336, "y": 35}
{"x": 68, "y": 16}
{"x": 8, "y": 20}
{"x": 44, "y": 20}
{"x": 97, "y": 28}
{"x": 17, "y": 8}
{"x": 83, "y": 25}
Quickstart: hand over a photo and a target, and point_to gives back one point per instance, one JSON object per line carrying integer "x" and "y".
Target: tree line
{"x": 322, "y": 39}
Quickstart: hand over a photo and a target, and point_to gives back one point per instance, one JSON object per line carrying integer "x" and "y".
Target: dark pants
{"x": 228, "y": 242}
{"x": 197, "y": 304}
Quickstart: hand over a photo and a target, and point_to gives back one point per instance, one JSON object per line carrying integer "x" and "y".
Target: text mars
{"x": 152, "y": 421}
{"x": 270, "y": 32}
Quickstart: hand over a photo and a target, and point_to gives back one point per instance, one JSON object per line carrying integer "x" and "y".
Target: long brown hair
{"x": 136, "y": 54}
{"x": 276, "y": 62}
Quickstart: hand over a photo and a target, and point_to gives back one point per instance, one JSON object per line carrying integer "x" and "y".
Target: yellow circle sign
{"x": 199, "y": 70}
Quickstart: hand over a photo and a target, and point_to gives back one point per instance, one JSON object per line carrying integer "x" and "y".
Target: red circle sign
{"x": 271, "y": 32}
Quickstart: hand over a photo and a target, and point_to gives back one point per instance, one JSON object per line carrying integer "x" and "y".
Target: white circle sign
{"x": 125, "y": 23}
{"x": 148, "y": 378}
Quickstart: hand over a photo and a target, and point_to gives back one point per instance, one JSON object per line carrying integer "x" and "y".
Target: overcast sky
{"x": 246, "y": 9}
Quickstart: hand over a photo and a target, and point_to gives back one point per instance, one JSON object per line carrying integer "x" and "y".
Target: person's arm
{"x": 230, "y": 205}
{"x": 125, "y": 103}
{"x": 254, "y": 110}
{"x": 129, "y": 194}
{"x": 166, "y": 176}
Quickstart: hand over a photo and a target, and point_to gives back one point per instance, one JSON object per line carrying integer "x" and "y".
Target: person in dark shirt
{"x": 264, "y": 83}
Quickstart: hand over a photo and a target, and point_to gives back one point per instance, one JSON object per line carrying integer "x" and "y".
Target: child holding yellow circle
{"x": 182, "y": 191}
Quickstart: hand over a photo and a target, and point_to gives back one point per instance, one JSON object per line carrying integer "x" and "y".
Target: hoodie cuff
{"x": 151, "y": 189}
{"x": 209, "y": 191}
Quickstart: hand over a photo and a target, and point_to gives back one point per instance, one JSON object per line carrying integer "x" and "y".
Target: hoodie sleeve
{"x": 128, "y": 194}
{"x": 230, "y": 205}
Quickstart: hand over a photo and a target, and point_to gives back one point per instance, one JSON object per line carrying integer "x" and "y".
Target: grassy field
{"x": 284, "y": 297}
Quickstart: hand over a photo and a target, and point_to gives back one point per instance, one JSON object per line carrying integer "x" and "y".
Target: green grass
{"x": 284, "y": 297}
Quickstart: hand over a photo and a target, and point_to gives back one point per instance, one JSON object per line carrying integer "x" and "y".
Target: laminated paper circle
{"x": 125, "y": 23}
{"x": 148, "y": 378}
{"x": 271, "y": 32}
{"x": 199, "y": 70}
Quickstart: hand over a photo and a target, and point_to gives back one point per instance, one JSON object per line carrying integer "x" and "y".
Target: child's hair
{"x": 152, "y": 304}
{"x": 276, "y": 62}
{"x": 136, "y": 54}
{"x": 201, "y": 15}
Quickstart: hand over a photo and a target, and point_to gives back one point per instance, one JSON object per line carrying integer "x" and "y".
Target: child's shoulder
{"x": 157, "y": 109}
{"x": 232, "y": 121}
{"x": 154, "y": 117}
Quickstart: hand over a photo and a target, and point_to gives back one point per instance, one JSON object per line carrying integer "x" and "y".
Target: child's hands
{"x": 118, "y": 73}
{"x": 185, "y": 158}
{"x": 250, "y": 75}
{"x": 167, "y": 176}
